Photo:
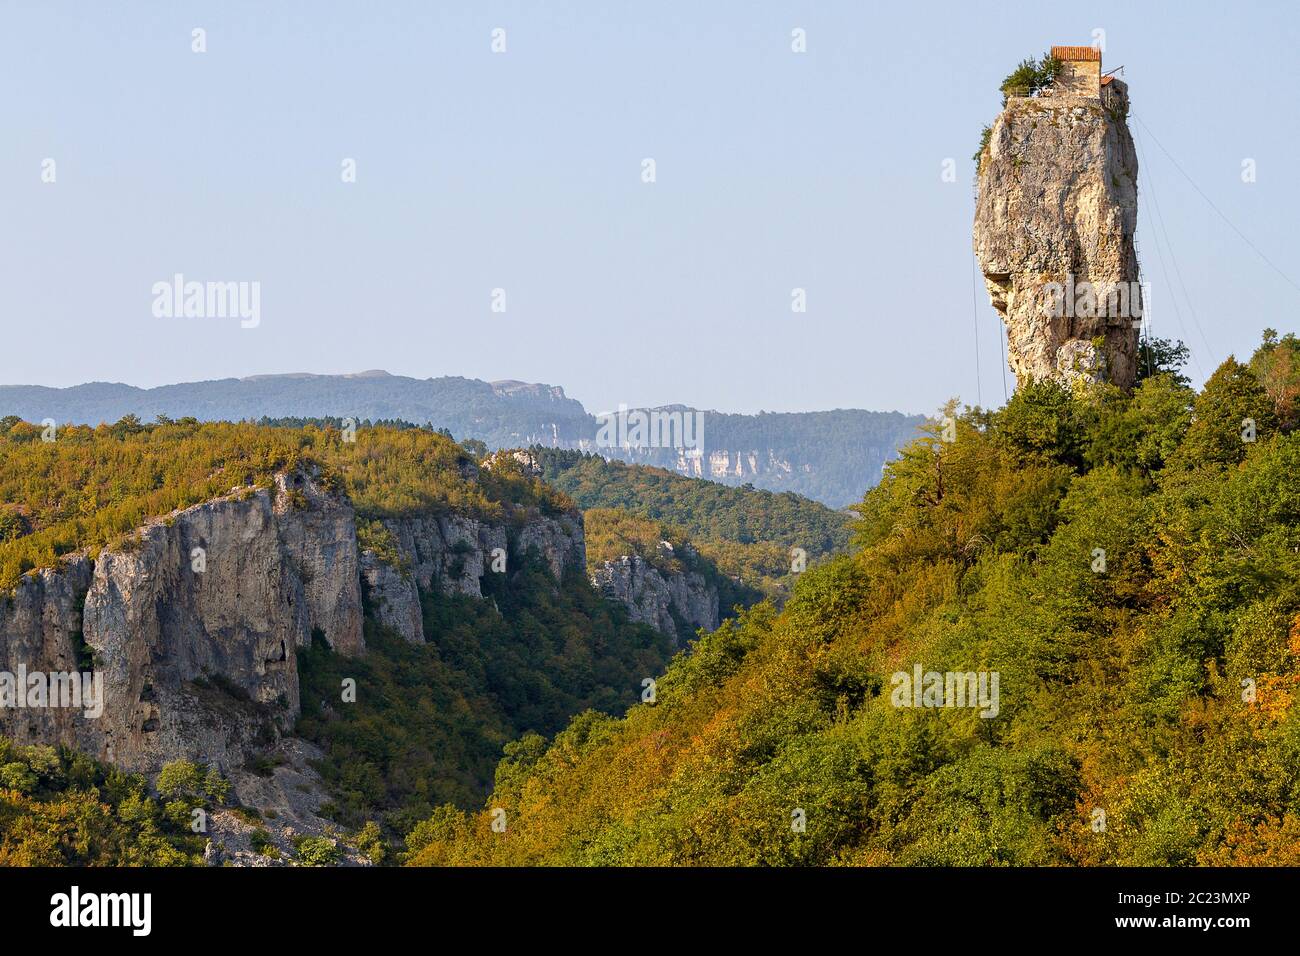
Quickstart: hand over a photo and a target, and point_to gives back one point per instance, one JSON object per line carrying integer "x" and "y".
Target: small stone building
{"x": 1080, "y": 71}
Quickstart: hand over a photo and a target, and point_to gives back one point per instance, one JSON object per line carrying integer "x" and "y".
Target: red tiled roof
{"x": 1076, "y": 53}
{"x": 1106, "y": 79}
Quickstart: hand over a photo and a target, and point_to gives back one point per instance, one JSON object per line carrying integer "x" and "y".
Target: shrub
{"x": 181, "y": 779}
{"x": 261, "y": 843}
{"x": 316, "y": 851}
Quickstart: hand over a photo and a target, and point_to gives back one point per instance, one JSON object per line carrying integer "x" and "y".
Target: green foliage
{"x": 316, "y": 851}
{"x": 61, "y": 808}
{"x": 611, "y": 533}
{"x": 1129, "y": 573}
{"x": 180, "y": 779}
{"x": 93, "y": 486}
{"x": 18, "y": 776}
{"x": 747, "y": 534}
{"x": 375, "y": 536}
{"x": 1043, "y": 422}
{"x": 986, "y": 134}
{"x": 215, "y": 787}
{"x": 11, "y": 525}
{"x": 1158, "y": 356}
{"x": 370, "y": 841}
{"x": 430, "y": 721}
{"x": 1232, "y": 402}
{"x": 260, "y": 841}
{"x": 1276, "y": 363}
{"x": 1141, "y": 433}
{"x": 1030, "y": 77}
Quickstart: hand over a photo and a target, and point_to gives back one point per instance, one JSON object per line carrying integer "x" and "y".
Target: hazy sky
{"x": 523, "y": 171}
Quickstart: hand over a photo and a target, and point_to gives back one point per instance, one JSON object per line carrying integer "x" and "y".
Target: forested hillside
{"x": 89, "y": 486}
{"x": 60, "y": 808}
{"x": 748, "y": 533}
{"x": 429, "y": 720}
{"x": 831, "y": 456}
{"x": 1129, "y": 567}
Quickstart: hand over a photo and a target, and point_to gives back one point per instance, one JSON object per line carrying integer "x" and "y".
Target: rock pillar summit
{"x": 1054, "y": 223}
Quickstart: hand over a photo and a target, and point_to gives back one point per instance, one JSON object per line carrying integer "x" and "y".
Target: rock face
{"x": 674, "y": 604}
{"x": 1054, "y": 224}
{"x": 453, "y": 552}
{"x": 192, "y": 627}
{"x": 391, "y": 597}
{"x": 41, "y": 624}
{"x": 289, "y": 796}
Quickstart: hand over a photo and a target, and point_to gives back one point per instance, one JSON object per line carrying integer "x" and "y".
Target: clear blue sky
{"x": 523, "y": 171}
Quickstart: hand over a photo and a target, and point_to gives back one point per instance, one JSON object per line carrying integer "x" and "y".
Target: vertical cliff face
{"x": 192, "y": 627}
{"x": 674, "y": 604}
{"x": 1054, "y": 225}
{"x": 191, "y": 624}
{"x": 41, "y": 630}
{"x": 451, "y": 554}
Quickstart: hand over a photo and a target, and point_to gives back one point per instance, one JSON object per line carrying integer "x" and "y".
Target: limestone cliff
{"x": 453, "y": 552}
{"x": 676, "y": 604}
{"x": 192, "y": 625}
{"x": 1057, "y": 204}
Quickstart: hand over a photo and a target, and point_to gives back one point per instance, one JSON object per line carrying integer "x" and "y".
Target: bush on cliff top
{"x": 1030, "y": 77}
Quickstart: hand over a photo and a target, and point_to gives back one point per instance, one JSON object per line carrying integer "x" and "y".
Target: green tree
{"x": 1030, "y": 76}
{"x": 1232, "y": 413}
{"x": 181, "y": 779}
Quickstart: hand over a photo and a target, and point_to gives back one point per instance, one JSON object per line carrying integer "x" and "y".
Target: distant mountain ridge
{"x": 832, "y": 456}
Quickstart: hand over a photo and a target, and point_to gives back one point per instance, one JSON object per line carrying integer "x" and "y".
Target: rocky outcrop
{"x": 1054, "y": 224}
{"x": 288, "y": 796}
{"x": 452, "y": 553}
{"x": 191, "y": 626}
{"x": 184, "y": 637}
{"x": 676, "y": 604}
{"x": 391, "y": 597}
{"x": 558, "y": 541}
{"x": 41, "y": 626}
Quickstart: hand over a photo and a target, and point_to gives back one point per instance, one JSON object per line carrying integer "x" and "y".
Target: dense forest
{"x": 1128, "y": 565}
{"x": 430, "y": 727}
{"x": 747, "y": 533}
{"x": 61, "y": 808}
{"x": 432, "y": 723}
{"x": 88, "y": 487}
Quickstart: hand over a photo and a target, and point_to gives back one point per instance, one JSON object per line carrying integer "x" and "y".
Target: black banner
{"x": 330, "y": 906}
